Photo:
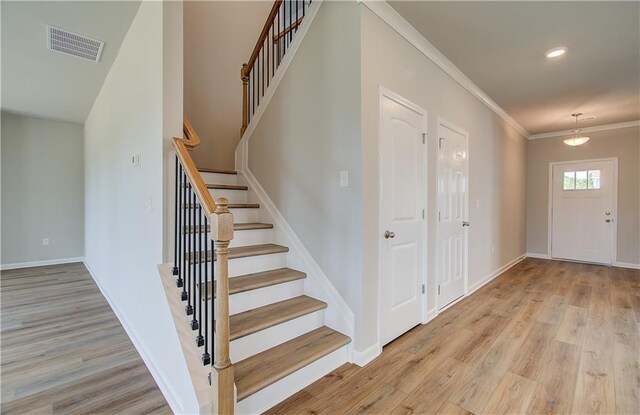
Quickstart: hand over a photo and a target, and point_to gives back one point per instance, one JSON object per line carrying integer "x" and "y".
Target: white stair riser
{"x": 282, "y": 389}
{"x": 233, "y": 196}
{"x": 251, "y": 299}
{"x": 265, "y": 339}
{"x": 240, "y": 238}
{"x": 218, "y": 178}
{"x": 248, "y": 265}
{"x": 245, "y": 215}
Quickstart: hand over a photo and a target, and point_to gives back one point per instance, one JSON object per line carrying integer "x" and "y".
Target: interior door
{"x": 583, "y": 216}
{"x": 453, "y": 226}
{"x": 402, "y": 182}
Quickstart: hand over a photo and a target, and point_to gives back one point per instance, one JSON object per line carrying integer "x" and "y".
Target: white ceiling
{"x": 42, "y": 83}
{"x": 501, "y": 45}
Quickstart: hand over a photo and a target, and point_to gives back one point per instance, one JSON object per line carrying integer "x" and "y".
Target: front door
{"x": 583, "y": 216}
{"x": 451, "y": 247}
{"x": 402, "y": 204}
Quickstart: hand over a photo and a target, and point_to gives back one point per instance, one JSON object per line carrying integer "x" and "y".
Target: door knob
{"x": 465, "y": 223}
{"x": 607, "y": 213}
{"x": 608, "y": 220}
{"x": 388, "y": 235}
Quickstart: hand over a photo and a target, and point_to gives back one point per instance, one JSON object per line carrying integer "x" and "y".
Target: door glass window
{"x": 581, "y": 180}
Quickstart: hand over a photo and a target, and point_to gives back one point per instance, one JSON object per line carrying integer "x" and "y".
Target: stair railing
{"x": 199, "y": 220}
{"x": 277, "y": 34}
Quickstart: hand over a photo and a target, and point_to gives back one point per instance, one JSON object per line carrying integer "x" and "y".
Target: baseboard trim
{"x": 30, "y": 264}
{"x": 362, "y": 358}
{"x": 174, "y": 402}
{"x": 626, "y": 265}
{"x": 473, "y": 288}
{"x": 538, "y": 256}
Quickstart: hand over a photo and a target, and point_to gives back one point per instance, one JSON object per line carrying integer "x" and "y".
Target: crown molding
{"x": 593, "y": 129}
{"x": 391, "y": 17}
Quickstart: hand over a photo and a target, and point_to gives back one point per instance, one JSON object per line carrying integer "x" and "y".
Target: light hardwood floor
{"x": 544, "y": 337}
{"x": 64, "y": 351}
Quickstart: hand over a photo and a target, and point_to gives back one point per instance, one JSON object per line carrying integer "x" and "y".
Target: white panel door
{"x": 451, "y": 263}
{"x": 402, "y": 183}
{"x": 583, "y": 216}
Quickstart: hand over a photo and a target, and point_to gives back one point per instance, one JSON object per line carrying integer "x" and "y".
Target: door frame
{"x": 614, "y": 195}
{"x": 387, "y": 93}
{"x": 446, "y": 124}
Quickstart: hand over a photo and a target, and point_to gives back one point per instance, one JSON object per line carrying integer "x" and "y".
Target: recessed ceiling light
{"x": 556, "y": 52}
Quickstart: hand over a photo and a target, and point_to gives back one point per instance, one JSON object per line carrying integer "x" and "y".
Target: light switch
{"x": 344, "y": 178}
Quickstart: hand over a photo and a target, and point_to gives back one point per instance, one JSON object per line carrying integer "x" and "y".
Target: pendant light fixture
{"x": 576, "y": 138}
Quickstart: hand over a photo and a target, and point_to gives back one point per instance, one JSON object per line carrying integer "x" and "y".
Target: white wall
{"x": 124, "y": 209}
{"x": 219, "y": 37}
{"x": 309, "y": 133}
{"x": 497, "y": 164}
{"x": 42, "y": 190}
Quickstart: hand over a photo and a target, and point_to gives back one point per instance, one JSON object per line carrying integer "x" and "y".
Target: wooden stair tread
{"x": 226, "y": 186}
{"x": 263, "y": 369}
{"x": 247, "y": 226}
{"x": 257, "y": 280}
{"x": 252, "y": 321}
{"x": 219, "y": 171}
{"x": 248, "y": 251}
{"x": 233, "y": 205}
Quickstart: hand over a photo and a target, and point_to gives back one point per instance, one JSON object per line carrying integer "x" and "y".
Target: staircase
{"x": 275, "y": 330}
{"x": 255, "y": 323}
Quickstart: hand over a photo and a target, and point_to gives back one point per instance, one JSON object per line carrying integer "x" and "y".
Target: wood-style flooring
{"x": 544, "y": 337}
{"x": 63, "y": 351}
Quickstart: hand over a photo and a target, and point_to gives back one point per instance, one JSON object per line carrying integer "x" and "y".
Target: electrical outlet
{"x": 478, "y": 204}
{"x": 344, "y": 178}
{"x": 45, "y": 241}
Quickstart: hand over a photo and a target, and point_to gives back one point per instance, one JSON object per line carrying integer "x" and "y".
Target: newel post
{"x": 223, "y": 387}
{"x": 245, "y": 96}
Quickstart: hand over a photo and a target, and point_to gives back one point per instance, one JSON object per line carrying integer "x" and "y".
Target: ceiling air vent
{"x": 70, "y": 43}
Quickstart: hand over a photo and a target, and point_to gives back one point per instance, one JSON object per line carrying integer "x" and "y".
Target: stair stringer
{"x": 338, "y": 314}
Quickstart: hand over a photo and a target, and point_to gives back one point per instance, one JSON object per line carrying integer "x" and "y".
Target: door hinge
{"x": 438, "y": 289}
{"x": 424, "y": 137}
{"x": 423, "y": 288}
{"x": 422, "y": 213}
{"x": 438, "y": 216}
{"x": 440, "y": 142}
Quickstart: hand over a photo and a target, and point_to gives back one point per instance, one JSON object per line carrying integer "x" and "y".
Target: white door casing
{"x": 402, "y": 210}
{"x": 583, "y": 210}
{"x": 453, "y": 225}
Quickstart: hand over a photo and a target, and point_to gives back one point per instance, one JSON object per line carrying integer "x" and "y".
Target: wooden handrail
{"x": 263, "y": 35}
{"x": 181, "y": 146}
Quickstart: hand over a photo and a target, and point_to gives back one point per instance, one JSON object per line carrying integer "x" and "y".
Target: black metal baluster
{"x": 195, "y": 254}
{"x": 183, "y": 235}
{"x": 180, "y": 230}
{"x": 262, "y": 66}
{"x": 268, "y": 40}
{"x": 253, "y": 74}
{"x": 303, "y": 4}
{"x": 189, "y": 309}
{"x": 297, "y": 7}
{"x": 207, "y": 296}
{"x": 290, "y": 21}
{"x": 199, "y": 338}
{"x": 279, "y": 17}
{"x": 175, "y": 270}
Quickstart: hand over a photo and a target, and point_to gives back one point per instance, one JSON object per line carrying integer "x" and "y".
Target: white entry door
{"x": 403, "y": 190}
{"x": 451, "y": 248}
{"x": 583, "y": 211}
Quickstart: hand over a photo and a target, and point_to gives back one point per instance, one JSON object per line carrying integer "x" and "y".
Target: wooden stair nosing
{"x": 218, "y": 171}
{"x": 245, "y": 251}
{"x": 263, "y": 369}
{"x": 232, "y": 205}
{"x": 240, "y": 226}
{"x": 257, "y": 319}
{"x": 256, "y": 280}
{"x": 226, "y": 186}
